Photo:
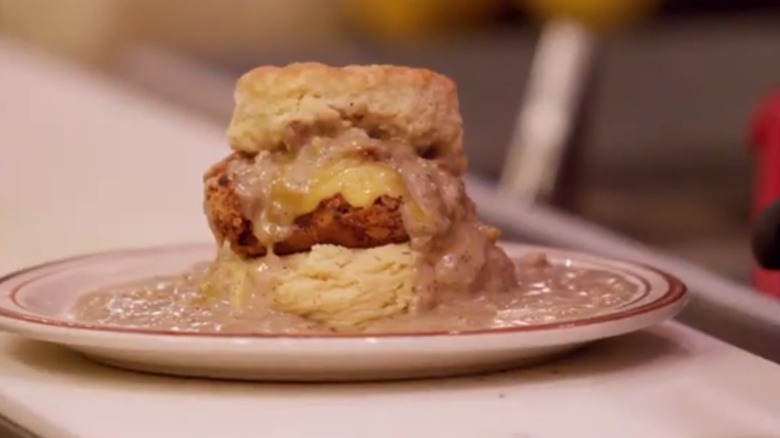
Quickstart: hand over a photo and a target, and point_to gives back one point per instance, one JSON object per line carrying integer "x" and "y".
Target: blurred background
{"x": 656, "y": 96}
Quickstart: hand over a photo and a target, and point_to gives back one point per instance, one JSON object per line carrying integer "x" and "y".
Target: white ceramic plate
{"x": 35, "y": 303}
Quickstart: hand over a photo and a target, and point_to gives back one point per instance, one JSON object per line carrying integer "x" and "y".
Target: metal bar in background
{"x": 548, "y": 113}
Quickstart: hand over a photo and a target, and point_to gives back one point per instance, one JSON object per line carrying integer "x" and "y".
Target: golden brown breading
{"x": 333, "y": 222}
{"x": 413, "y": 106}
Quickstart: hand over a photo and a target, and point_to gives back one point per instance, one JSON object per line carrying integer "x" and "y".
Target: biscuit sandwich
{"x": 342, "y": 200}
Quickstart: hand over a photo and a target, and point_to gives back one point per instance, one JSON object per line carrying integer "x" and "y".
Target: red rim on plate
{"x": 676, "y": 291}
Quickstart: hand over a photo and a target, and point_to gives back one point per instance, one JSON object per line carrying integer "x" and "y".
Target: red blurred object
{"x": 765, "y": 138}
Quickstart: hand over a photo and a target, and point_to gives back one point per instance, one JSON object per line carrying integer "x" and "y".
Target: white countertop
{"x": 87, "y": 166}
{"x": 670, "y": 382}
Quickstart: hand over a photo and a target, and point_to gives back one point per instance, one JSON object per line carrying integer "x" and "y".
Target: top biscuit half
{"x": 417, "y": 107}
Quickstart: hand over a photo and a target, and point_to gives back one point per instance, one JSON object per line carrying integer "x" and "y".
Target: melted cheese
{"x": 360, "y": 184}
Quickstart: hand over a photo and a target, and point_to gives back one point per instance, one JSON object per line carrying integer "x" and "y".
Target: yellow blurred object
{"x": 96, "y": 31}
{"x": 596, "y": 14}
{"x": 86, "y": 30}
{"x": 404, "y": 19}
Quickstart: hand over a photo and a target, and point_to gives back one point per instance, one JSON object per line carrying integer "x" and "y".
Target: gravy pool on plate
{"x": 546, "y": 293}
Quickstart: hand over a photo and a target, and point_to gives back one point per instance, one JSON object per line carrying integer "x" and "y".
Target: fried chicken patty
{"x": 334, "y": 221}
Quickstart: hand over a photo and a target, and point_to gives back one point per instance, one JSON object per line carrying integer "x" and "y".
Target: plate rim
{"x": 676, "y": 293}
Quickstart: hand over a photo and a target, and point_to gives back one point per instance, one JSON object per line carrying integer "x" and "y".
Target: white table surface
{"x": 85, "y": 165}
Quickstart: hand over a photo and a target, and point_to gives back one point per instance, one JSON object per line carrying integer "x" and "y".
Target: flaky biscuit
{"x": 415, "y": 106}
